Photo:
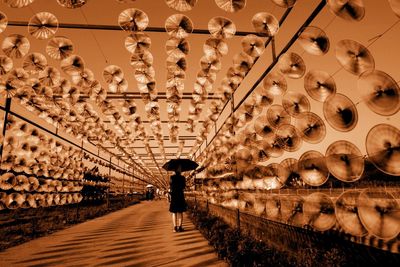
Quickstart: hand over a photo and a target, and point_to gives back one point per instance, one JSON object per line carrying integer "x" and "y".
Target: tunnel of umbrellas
{"x": 290, "y": 108}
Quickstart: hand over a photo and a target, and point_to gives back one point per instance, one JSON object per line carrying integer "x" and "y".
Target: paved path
{"x": 140, "y": 235}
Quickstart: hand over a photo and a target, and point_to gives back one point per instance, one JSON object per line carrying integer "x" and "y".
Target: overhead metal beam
{"x": 117, "y": 28}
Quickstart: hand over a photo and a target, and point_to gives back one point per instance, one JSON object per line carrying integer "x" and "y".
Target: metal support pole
{"x": 273, "y": 48}
{"x": 7, "y": 110}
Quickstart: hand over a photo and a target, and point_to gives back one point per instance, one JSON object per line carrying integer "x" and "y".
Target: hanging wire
{"x": 376, "y": 38}
{"x": 94, "y": 37}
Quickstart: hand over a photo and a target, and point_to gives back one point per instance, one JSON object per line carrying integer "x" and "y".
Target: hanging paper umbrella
{"x": 243, "y": 62}
{"x": 319, "y": 211}
{"x": 288, "y": 137}
{"x": 284, "y": 3}
{"x": 311, "y": 127}
{"x": 72, "y": 95}
{"x": 351, "y": 10}
{"x": 141, "y": 60}
{"x": 382, "y": 144}
{"x": 145, "y": 75}
{"x": 177, "y": 46}
{"x": 314, "y": 41}
{"x": 210, "y": 64}
{"x": 3, "y": 22}
{"x": 72, "y": 3}
{"x": 292, "y": 65}
{"x": 380, "y": 92}
{"x": 118, "y": 87}
{"x": 395, "y": 5}
{"x": 18, "y": 75}
{"x": 137, "y": 42}
{"x": 14, "y": 200}
{"x": 292, "y": 210}
{"x": 43, "y": 25}
{"x": 340, "y": 113}
{"x": 215, "y": 47}
{"x": 313, "y": 169}
{"x": 253, "y": 45}
{"x": 176, "y": 63}
{"x": 6, "y": 65}
{"x": 18, "y": 3}
{"x": 277, "y": 116}
{"x": 50, "y": 76}
{"x": 344, "y": 161}
{"x": 83, "y": 79}
{"x": 59, "y": 48}
{"x": 7, "y": 181}
{"x": 354, "y": 57}
{"x": 181, "y": 5}
{"x": 221, "y": 28}
{"x": 231, "y": 6}
{"x": 178, "y": 26}
{"x": 295, "y": 103}
{"x": 379, "y": 212}
{"x": 34, "y": 62}
{"x": 275, "y": 83}
{"x": 133, "y": 20}
{"x": 272, "y": 147}
{"x": 112, "y": 73}
{"x": 15, "y": 46}
{"x": 346, "y": 211}
{"x": 265, "y": 24}
{"x": 319, "y": 85}
{"x": 8, "y": 88}
{"x": 72, "y": 64}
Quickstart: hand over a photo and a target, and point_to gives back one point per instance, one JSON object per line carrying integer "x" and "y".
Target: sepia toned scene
{"x": 199, "y": 133}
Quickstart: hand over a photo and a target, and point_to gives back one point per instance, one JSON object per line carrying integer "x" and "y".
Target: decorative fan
{"x": 295, "y": 103}
{"x": 71, "y": 3}
{"x": 379, "y": 212}
{"x": 181, "y": 5}
{"x": 275, "y": 83}
{"x": 311, "y": 127}
{"x": 43, "y": 25}
{"x": 231, "y": 6}
{"x": 133, "y": 20}
{"x": 72, "y": 64}
{"x": 18, "y": 3}
{"x": 319, "y": 211}
{"x": 15, "y": 46}
{"x": 221, "y": 28}
{"x": 340, "y": 113}
{"x": 253, "y": 45}
{"x": 277, "y": 116}
{"x": 380, "y": 92}
{"x": 292, "y": 65}
{"x": 265, "y": 24}
{"x": 354, "y": 57}
{"x": 344, "y": 161}
{"x": 215, "y": 47}
{"x": 313, "y": 169}
{"x": 351, "y": 10}
{"x": 3, "y": 22}
{"x": 383, "y": 148}
{"x": 319, "y": 85}
{"x": 346, "y": 210}
{"x": 59, "y": 48}
{"x": 284, "y": 3}
{"x": 142, "y": 60}
{"x": 314, "y": 41}
{"x": 178, "y": 26}
{"x": 177, "y": 46}
{"x": 292, "y": 210}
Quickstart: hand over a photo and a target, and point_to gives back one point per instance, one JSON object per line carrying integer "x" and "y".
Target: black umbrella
{"x": 184, "y": 164}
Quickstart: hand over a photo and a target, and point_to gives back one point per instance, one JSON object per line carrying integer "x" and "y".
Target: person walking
{"x": 178, "y": 204}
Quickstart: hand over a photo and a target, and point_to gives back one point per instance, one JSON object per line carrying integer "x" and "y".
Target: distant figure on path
{"x": 178, "y": 204}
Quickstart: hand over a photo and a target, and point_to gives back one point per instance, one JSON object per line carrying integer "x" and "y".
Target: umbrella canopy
{"x": 184, "y": 164}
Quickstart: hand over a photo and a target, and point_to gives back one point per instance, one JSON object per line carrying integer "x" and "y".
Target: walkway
{"x": 140, "y": 235}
